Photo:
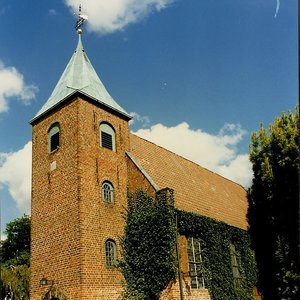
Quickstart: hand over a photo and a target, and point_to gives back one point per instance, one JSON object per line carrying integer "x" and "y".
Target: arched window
{"x": 53, "y": 137}
{"x": 107, "y": 192}
{"x": 110, "y": 253}
{"x": 107, "y": 136}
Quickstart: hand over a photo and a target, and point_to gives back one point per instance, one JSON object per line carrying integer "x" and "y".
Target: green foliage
{"x": 15, "y": 282}
{"x": 15, "y": 249}
{"x": 15, "y": 257}
{"x": 148, "y": 246}
{"x": 273, "y": 206}
{"x": 216, "y": 238}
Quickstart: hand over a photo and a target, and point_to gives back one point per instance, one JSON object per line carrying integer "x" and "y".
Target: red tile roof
{"x": 196, "y": 189}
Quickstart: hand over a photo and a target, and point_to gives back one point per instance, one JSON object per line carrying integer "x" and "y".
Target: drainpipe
{"x": 178, "y": 260}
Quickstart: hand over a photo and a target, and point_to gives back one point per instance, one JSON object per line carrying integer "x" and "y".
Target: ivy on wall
{"x": 216, "y": 238}
{"x": 148, "y": 246}
{"x": 148, "y": 250}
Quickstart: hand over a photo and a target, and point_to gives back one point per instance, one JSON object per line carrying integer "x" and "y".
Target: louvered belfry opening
{"x": 106, "y": 140}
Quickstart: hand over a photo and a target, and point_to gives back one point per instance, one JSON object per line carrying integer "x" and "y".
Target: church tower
{"x": 79, "y": 187}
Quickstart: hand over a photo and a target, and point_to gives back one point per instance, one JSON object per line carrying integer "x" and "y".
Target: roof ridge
{"x": 190, "y": 161}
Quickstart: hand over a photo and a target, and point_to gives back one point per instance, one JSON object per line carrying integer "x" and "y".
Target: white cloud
{"x": 136, "y": 118}
{"x": 239, "y": 170}
{"x": 214, "y": 152}
{"x": 12, "y": 85}
{"x": 108, "y": 16}
{"x": 15, "y": 174}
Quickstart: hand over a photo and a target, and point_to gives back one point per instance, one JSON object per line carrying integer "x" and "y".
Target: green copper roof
{"x": 79, "y": 76}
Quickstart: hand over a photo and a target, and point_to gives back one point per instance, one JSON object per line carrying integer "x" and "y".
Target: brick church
{"x": 85, "y": 160}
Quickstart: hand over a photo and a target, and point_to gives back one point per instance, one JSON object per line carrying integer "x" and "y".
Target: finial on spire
{"x": 80, "y": 21}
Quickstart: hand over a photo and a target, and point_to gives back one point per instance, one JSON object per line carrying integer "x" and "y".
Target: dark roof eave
{"x": 86, "y": 97}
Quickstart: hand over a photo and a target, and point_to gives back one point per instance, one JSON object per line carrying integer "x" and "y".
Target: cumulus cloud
{"x": 215, "y": 152}
{"x": 15, "y": 174}
{"x": 108, "y": 16}
{"x": 144, "y": 121}
{"x": 239, "y": 169}
{"x": 12, "y": 84}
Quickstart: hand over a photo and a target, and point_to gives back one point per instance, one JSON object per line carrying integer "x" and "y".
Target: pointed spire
{"x": 80, "y": 77}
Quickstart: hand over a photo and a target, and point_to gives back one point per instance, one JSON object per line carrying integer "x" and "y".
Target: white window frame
{"x": 194, "y": 262}
{"x": 107, "y": 192}
{"x": 110, "y": 253}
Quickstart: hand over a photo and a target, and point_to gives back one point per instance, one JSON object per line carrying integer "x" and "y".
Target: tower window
{"x": 107, "y": 136}
{"x": 195, "y": 263}
{"x": 53, "y": 137}
{"x": 110, "y": 253}
{"x": 107, "y": 192}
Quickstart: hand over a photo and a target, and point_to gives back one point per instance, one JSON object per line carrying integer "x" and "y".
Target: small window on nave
{"x": 107, "y": 136}
{"x": 53, "y": 137}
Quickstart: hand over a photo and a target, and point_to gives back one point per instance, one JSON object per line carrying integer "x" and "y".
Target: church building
{"x": 85, "y": 160}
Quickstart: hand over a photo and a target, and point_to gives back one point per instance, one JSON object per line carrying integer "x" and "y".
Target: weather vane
{"x": 80, "y": 21}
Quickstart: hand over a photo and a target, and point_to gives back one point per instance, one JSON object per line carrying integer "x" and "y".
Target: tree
{"x": 15, "y": 249}
{"x": 14, "y": 258}
{"x": 15, "y": 282}
{"x": 273, "y": 207}
{"x": 148, "y": 246}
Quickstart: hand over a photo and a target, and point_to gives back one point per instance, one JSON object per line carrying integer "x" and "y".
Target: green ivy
{"x": 149, "y": 261}
{"x": 148, "y": 250}
{"x": 216, "y": 238}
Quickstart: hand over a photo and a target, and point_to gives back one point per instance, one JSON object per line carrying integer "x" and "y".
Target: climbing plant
{"x": 148, "y": 247}
{"x": 216, "y": 238}
{"x": 148, "y": 250}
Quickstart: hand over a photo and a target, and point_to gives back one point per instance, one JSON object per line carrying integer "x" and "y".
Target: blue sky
{"x": 207, "y": 72}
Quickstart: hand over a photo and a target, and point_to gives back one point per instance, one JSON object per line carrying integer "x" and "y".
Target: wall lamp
{"x": 45, "y": 281}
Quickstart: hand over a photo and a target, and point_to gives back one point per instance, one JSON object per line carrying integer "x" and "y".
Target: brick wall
{"x": 100, "y": 221}
{"x": 173, "y": 293}
{"x": 136, "y": 180}
{"x": 55, "y": 251}
{"x": 70, "y": 222}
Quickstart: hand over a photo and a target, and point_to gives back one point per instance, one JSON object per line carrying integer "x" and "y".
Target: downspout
{"x": 178, "y": 259}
